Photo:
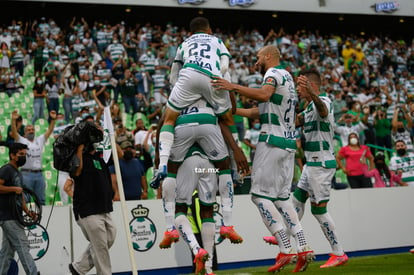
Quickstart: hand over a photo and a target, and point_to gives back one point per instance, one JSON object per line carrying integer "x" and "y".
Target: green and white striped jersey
{"x": 198, "y": 113}
{"x": 406, "y": 164}
{"x": 202, "y": 52}
{"x": 277, "y": 115}
{"x": 319, "y": 132}
{"x": 116, "y": 51}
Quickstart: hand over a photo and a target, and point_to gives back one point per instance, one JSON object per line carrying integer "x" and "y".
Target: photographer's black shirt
{"x": 93, "y": 189}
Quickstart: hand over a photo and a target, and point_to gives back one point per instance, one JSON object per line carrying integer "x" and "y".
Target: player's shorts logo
{"x": 38, "y": 240}
{"x": 143, "y": 231}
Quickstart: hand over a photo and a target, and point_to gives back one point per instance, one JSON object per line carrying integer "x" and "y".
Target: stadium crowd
{"x": 78, "y": 69}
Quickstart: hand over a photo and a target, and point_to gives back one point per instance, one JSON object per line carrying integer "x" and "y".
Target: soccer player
{"x": 315, "y": 182}
{"x": 190, "y": 176}
{"x": 198, "y": 58}
{"x": 198, "y": 124}
{"x": 273, "y": 164}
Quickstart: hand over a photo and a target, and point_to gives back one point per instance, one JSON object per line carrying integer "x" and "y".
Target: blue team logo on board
{"x": 243, "y": 3}
{"x": 38, "y": 240}
{"x": 193, "y": 2}
{"x": 143, "y": 231}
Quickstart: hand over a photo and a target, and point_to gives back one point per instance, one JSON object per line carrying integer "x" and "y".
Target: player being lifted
{"x": 199, "y": 58}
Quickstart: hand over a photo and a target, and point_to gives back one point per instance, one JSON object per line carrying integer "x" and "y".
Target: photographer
{"x": 92, "y": 205}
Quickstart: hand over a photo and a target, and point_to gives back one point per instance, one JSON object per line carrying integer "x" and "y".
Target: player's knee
{"x": 301, "y": 195}
{"x": 318, "y": 210}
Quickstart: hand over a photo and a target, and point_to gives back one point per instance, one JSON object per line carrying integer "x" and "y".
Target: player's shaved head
{"x": 271, "y": 50}
{"x": 199, "y": 24}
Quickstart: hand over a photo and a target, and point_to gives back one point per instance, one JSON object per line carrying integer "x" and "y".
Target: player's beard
{"x": 261, "y": 68}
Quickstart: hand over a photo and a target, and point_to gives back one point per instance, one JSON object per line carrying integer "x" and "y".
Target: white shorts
{"x": 196, "y": 172}
{"x": 272, "y": 172}
{"x": 159, "y": 98}
{"x": 208, "y": 136}
{"x": 193, "y": 85}
{"x": 317, "y": 182}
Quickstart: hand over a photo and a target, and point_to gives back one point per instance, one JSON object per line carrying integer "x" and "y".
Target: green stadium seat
{"x": 41, "y": 125}
{"x": 4, "y": 155}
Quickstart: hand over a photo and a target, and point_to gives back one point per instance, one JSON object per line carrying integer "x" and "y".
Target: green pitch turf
{"x": 382, "y": 264}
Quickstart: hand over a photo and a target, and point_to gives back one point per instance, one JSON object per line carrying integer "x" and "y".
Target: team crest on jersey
{"x": 38, "y": 240}
{"x": 143, "y": 231}
{"x": 270, "y": 81}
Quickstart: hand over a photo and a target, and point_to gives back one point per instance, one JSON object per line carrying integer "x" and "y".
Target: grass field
{"x": 382, "y": 264}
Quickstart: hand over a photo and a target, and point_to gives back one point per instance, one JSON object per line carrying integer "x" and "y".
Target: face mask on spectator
{"x": 72, "y": 80}
{"x": 256, "y": 126}
{"x": 401, "y": 130}
{"x": 39, "y": 82}
{"x": 353, "y": 141}
{"x": 401, "y": 152}
{"x": 30, "y": 136}
{"x": 96, "y": 82}
{"x": 21, "y": 160}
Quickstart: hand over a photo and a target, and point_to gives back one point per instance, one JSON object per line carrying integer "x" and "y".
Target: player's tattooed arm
{"x": 319, "y": 105}
{"x": 300, "y": 120}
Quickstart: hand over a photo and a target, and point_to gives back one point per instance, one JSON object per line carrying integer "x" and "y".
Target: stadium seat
{"x": 41, "y": 125}
{"x": 4, "y": 155}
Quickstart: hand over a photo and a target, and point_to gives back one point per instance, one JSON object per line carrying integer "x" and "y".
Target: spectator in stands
{"x": 32, "y": 170}
{"x": 117, "y": 75}
{"x": 4, "y": 58}
{"x": 403, "y": 162}
{"x": 353, "y": 153}
{"x": 351, "y": 125}
{"x": 382, "y": 130}
{"x": 160, "y": 83}
{"x": 252, "y": 137}
{"x": 132, "y": 173}
{"x": 128, "y": 89}
{"x": 100, "y": 91}
{"x": 339, "y": 104}
{"x": 382, "y": 175}
{"x": 122, "y": 134}
{"x": 52, "y": 90}
{"x": 142, "y": 103}
{"x": 20, "y": 129}
{"x": 144, "y": 81}
{"x": 401, "y": 127}
{"x": 154, "y": 111}
{"x": 70, "y": 88}
{"x": 39, "y": 93}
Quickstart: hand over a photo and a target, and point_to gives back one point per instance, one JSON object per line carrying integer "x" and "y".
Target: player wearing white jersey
{"x": 199, "y": 57}
{"x": 197, "y": 172}
{"x": 274, "y": 159}
{"x": 198, "y": 124}
{"x": 315, "y": 182}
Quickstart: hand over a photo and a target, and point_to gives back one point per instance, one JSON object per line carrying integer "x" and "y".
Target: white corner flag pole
{"x": 108, "y": 126}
